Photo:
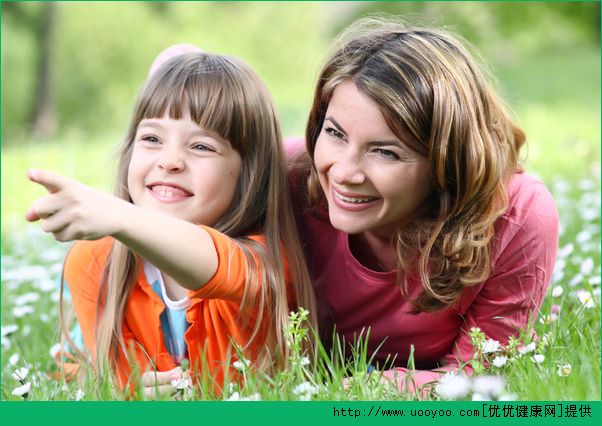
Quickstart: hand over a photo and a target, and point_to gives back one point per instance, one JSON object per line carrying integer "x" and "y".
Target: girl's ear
{"x": 172, "y": 52}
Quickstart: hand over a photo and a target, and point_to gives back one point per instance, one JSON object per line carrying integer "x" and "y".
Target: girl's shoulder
{"x": 88, "y": 257}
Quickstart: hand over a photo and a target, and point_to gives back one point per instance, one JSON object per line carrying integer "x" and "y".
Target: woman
{"x": 418, "y": 221}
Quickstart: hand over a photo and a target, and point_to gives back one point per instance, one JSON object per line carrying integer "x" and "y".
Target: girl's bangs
{"x": 208, "y": 94}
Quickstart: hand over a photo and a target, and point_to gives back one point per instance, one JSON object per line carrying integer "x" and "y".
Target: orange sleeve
{"x": 83, "y": 271}
{"x": 229, "y": 281}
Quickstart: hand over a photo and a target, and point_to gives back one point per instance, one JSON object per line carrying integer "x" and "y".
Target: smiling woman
{"x": 195, "y": 257}
{"x": 418, "y": 223}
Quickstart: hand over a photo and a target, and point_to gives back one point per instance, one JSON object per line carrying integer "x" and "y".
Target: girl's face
{"x": 372, "y": 181}
{"x": 182, "y": 170}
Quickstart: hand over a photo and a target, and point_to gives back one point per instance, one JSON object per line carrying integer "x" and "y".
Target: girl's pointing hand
{"x": 72, "y": 210}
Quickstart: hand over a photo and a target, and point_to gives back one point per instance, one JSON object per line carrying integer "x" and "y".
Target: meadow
{"x": 555, "y": 97}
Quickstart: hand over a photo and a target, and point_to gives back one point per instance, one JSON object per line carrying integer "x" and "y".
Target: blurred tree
{"x": 44, "y": 114}
{"x": 40, "y": 20}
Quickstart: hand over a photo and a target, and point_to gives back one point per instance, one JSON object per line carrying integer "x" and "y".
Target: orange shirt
{"x": 213, "y": 313}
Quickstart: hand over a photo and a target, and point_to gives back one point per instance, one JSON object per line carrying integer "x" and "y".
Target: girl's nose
{"x": 171, "y": 161}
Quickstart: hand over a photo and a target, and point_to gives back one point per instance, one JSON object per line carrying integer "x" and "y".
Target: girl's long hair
{"x": 224, "y": 95}
{"x": 436, "y": 99}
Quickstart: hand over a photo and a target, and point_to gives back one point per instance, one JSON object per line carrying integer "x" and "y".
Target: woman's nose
{"x": 347, "y": 170}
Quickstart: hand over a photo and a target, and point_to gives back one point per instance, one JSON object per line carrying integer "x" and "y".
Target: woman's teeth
{"x": 353, "y": 199}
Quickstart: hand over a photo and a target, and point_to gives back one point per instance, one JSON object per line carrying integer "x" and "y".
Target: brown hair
{"x": 223, "y": 95}
{"x": 436, "y": 99}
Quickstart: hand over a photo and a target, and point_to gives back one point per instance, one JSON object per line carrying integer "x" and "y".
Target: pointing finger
{"x": 49, "y": 180}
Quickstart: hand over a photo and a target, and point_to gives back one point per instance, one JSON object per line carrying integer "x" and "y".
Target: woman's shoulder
{"x": 531, "y": 217}
{"x": 528, "y": 199}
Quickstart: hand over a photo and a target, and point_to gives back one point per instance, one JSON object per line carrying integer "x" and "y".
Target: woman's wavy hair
{"x": 436, "y": 99}
{"x": 221, "y": 94}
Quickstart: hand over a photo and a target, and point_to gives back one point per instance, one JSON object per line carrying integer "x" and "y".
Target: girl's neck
{"x": 374, "y": 252}
{"x": 174, "y": 290}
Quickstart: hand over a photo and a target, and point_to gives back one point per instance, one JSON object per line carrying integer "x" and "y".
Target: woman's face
{"x": 373, "y": 182}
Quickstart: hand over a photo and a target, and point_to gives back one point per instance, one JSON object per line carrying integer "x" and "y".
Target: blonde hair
{"x": 436, "y": 99}
{"x": 223, "y": 95}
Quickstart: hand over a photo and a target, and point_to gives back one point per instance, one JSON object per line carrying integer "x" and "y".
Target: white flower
{"x": 546, "y": 339}
{"x": 26, "y": 298}
{"x": 453, "y": 386}
{"x": 304, "y": 361}
{"x": 14, "y": 359}
{"x": 79, "y": 395}
{"x": 254, "y": 397}
{"x": 548, "y": 319}
{"x": 55, "y": 349}
{"x": 565, "y": 251}
{"x": 564, "y": 369}
{"x": 305, "y": 391}
{"x": 46, "y": 285}
{"x": 478, "y": 397}
{"x": 527, "y": 349}
{"x": 7, "y": 330}
{"x": 182, "y": 383}
{"x": 234, "y": 397}
{"x": 237, "y": 397}
{"x": 240, "y": 365}
{"x": 22, "y": 391}
{"x": 585, "y": 298}
{"x": 489, "y": 387}
{"x": 538, "y": 358}
{"x": 499, "y": 361}
{"x": 21, "y": 373}
{"x": 587, "y": 266}
{"x": 21, "y": 311}
{"x": 490, "y": 346}
{"x": 576, "y": 280}
{"x": 557, "y": 291}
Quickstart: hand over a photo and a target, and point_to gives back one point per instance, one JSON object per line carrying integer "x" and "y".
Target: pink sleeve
{"x": 527, "y": 241}
{"x": 293, "y": 145}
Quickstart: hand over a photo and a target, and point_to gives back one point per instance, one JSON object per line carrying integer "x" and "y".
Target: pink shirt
{"x": 353, "y": 297}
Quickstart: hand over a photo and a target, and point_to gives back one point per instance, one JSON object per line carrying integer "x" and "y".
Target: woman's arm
{"x": 73, "y": 211}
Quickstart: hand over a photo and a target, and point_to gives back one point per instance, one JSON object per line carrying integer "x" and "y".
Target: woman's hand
{"x": 156, "y": 384}
{"x": 72, "y": 210}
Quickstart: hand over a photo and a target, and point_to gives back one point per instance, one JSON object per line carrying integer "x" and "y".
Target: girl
{"x": 188, "y": 256}
{"x": 417, "y": 219}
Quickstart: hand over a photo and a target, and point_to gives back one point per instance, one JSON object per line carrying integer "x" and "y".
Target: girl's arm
{"x": 73, "y": 211}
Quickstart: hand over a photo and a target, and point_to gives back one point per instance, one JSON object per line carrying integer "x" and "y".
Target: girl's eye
{"x": 202, "y": 147}
{"x": 334, "y": 132}
{"x": 387, "y": 154}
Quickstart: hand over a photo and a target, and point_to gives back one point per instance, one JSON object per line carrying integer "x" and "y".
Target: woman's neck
{"x": 374, "y": 252}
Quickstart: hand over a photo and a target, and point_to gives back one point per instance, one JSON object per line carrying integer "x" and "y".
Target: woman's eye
{"x": 150, "y": 138}
{"x": 334, "y": 132}
{"x": 387, "y": 154}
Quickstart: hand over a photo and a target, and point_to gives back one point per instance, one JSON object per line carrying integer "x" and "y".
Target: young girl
{"x": 188, "y": 256}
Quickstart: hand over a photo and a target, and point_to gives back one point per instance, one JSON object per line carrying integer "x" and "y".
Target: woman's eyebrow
{"x": 335, "y": 123}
